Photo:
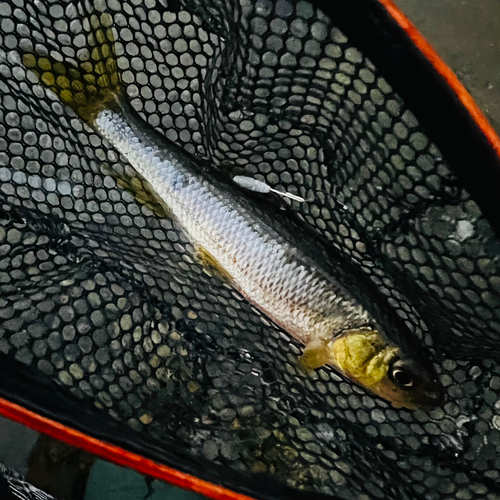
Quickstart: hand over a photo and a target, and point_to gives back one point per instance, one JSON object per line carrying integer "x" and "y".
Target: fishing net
{"x": 109, "y": 324}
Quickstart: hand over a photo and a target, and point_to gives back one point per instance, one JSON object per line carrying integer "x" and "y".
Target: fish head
{"x": 410, "y": 384}
{"x": 404, "y": 380}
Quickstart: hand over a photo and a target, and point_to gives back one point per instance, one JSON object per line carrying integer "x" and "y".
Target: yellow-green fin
{"x": 211, "y": 265}
{"x": 315, "y": 355}
{"x": 87, "y": 85}
{"x": 142, "y": 191}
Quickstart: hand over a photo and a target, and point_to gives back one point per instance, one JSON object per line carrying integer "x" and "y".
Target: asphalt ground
{"x": 466, "y": 34}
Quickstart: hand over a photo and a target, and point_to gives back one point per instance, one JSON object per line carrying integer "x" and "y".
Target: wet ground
{"x": 467, "y": 36}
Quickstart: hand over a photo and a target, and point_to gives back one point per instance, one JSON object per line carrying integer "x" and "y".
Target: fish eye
{"x": 401, "y": 376}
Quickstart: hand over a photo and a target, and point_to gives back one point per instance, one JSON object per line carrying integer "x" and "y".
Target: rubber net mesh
{"x": 103, "y": 296}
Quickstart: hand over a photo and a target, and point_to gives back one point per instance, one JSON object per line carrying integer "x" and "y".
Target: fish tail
{"x": 87, "y": 85}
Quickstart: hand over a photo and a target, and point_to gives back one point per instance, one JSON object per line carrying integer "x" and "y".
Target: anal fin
{"x": 211, "y": 265}
{"x": 142, "y": 191}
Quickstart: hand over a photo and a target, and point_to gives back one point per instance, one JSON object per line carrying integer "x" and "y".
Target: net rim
{"x": 421, "y": 43}
{"x": 115, "y": 454}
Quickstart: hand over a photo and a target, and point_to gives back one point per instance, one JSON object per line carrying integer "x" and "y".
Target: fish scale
{"x": 303, "y": 300}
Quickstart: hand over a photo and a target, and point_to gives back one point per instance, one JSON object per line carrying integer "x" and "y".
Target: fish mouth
{"x": 427, "y": 401}
{"x": 431, "y": 399}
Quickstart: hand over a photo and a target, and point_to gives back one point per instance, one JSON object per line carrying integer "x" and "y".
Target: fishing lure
{"x": 336, "y": 321}
{"x": 261, "y": 187}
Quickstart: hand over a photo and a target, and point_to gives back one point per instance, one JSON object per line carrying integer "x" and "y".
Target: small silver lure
{"x": 257, "y": 186}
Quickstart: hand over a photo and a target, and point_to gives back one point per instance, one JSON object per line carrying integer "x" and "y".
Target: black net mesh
{"x": 102, "y": 295}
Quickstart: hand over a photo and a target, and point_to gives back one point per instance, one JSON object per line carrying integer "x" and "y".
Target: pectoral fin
{"x": 316, "y": 354}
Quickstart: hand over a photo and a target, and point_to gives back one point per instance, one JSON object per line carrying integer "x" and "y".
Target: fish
{"x": 336, "y": 317}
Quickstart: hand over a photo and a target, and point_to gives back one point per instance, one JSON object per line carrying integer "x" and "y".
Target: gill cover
{"x": 364, "y": 357}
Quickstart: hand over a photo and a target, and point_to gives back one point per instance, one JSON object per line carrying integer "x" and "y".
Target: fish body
{"x": 259, "y": 258}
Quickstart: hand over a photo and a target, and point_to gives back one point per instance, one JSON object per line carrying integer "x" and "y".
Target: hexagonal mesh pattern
{"x": 104, "y": 297}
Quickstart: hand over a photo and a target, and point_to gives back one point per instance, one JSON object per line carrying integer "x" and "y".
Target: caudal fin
{"x": 87, "y": 85}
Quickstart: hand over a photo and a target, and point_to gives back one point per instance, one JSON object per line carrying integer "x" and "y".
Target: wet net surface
{"x": 104, "y": 297}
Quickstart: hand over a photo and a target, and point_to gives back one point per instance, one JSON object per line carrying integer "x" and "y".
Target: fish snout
{"x": 431, "y": 398}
